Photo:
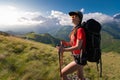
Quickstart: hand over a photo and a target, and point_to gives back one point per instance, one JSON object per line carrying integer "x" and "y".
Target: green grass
{"x": 22, "y": 59}
{"x": 110, "y": 64}
{"x": 26, "y": 60}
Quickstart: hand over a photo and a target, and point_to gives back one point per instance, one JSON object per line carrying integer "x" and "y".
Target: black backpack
{"x": 93, "y": 40}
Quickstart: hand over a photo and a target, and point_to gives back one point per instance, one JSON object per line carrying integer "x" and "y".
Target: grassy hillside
{"x": 110, "y": 63}
{"x": 27, "y": 60}
{"x": 44, "y": 38}
{"x": 109, "y": 43}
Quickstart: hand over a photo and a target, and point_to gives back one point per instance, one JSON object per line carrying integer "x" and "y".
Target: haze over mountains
{"x": 57, "y": 26}
{"x": 38, "y": 23}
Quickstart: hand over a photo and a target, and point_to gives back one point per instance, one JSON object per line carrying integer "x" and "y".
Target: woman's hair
{"x": 74, "y": 31}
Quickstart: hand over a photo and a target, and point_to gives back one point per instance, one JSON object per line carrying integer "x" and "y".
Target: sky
{"x": 17, "y": 14}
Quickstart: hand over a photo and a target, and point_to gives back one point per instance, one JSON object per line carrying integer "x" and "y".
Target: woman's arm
{"x": 77, "y": 46}
{"x": 65, "y": 43}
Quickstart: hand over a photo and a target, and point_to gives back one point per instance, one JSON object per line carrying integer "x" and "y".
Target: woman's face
{"x": 75, "y": 19}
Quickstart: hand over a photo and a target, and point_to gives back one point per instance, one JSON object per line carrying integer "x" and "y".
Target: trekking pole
{"x": 60, "y": 61}
{"x": 100, "y": 69}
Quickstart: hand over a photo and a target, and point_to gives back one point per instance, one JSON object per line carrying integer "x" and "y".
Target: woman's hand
{"x": 65, "y": 43}
{"x": 60, "y": 48}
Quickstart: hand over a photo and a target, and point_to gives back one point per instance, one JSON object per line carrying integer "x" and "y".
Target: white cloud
{"x": 102, "y": 18}
{"x": 82, "y": 10}
{"x": 12, "y": 17}
{"x": 64, "y": 19}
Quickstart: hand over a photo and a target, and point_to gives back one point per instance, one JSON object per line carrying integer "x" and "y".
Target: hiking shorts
{"x": 80, "y": 59}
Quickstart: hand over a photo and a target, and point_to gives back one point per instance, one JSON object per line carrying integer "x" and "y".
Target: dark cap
{"x": 80, "y": 15}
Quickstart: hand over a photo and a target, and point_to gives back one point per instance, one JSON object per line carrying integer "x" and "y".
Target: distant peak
{"x": 117, "y": 16}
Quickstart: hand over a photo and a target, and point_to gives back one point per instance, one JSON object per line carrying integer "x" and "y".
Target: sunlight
{"x": 8, "y": 15}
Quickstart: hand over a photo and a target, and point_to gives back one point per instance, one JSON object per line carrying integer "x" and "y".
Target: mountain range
{"x": 110, "y": 35}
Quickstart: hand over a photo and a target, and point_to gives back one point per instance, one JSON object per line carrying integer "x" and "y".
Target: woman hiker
{"x": 75, "y": 45}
